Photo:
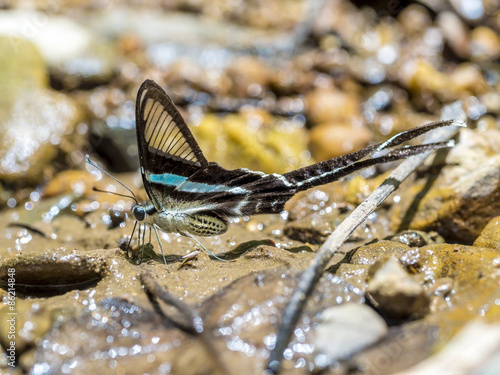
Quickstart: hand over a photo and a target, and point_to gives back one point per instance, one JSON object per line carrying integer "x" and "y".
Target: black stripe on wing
{"x": 331, "y": 170}
{"x": 166, "y": 145}
{"x": 232, "y": 193}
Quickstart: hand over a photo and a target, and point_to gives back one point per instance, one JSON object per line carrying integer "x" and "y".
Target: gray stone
{"x": 347, "y": 329}
{"x": 396, "y": 292}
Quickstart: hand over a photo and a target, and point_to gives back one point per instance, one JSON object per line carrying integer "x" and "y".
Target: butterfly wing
{"x": 168, "y": 152}
{"x": 177, "y": 175}
{"x": 232, "y": 193}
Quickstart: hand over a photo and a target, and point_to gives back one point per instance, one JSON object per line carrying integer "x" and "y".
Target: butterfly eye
{"x": 139, "y": 212}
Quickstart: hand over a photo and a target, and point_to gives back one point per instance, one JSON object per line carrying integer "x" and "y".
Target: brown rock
{"x": 330, "y": 105}
{"x": 329, "y": 140}
{"x": 395, "y": 292}
{"x": 464, "y": 196}
{"x": 250, "y": 77}
{"x": 415, "y": 19}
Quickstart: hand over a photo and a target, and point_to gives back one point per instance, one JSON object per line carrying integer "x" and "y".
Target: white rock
{"x": 348, "y": 328}
{"x": 57, "y": 38}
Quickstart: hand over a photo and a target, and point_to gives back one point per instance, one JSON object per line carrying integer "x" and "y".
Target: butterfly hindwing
{"x": 168, "y": 152}
{"x": 234, "y": 193}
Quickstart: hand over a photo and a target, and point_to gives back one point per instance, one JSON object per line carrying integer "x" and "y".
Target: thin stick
{"x": 194, "y": 326}
{"x": 313, "y": 273}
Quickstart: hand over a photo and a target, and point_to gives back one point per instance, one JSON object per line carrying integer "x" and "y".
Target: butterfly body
{"x": 175, "y": 219}
{"x": 192, "y": 196}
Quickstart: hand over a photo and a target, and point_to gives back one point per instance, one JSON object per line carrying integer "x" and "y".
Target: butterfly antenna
{"x": 112, "y": 192}
{"x": 87, "y": 159}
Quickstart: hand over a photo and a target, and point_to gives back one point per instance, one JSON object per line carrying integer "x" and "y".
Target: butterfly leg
{"x": 187, "y": 234}
{"x": 161, "y": 247}
{"x": 141, "y": 233}
{"x": 130, "y": 241}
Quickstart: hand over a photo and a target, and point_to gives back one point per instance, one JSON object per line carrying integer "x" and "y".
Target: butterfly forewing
{"x": 168, "y": 152}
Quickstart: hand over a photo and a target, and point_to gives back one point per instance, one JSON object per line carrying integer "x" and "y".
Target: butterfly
{"x": 194, "y": 197}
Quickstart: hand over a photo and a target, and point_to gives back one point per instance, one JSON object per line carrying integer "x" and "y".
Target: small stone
{"x": 455, "y": 32}
{"x": 471, "y": 10}
{"x": 485, "y": 44}
{"x": 420, "y": 75}
{"x": 395, "y": 292}
{"x": 79, "y": 183}
{"x": 415, "y": 18}
{"x": 375, "y": 252}
{"x": 329, "y": 140}
{"x": 250, "y": 77}
{"x": 346, "y": 329}
{"x": 327, "y": 105}
{"x": 491, "y": 102}
{"x": 468, "y": 77}
{"x": 468, "y": 266}
{"x": 417, "y": 238}
{"x": 243, "y": 141}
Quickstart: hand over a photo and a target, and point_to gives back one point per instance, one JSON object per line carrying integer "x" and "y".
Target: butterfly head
{"x": 139, "y": 212}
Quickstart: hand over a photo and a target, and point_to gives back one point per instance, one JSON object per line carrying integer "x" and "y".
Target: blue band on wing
{"x": 166, "y": 179}
{"x": 182, "y": 184}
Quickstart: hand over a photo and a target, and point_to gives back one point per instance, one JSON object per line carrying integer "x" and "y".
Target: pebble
{"x": 347, "y": 329}
{"x": 468, "y": 77}
{"x": 415, "y": 18}
{"x": 331, "y": 105}
{"x": 329, "y": 140}
{"x": 250, "y": 77}
{"x": 484, "y": 45}
{"x": 455, "y": 32}
{"x": 395, "y": 292}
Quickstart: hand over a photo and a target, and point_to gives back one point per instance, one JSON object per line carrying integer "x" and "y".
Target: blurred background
{"x": 266, "y": 85}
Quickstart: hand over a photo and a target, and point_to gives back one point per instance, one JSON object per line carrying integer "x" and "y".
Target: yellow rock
{"x": 253, "y": 140}
{"x": 490, "y": 236}
{"x": 485, "y": 44}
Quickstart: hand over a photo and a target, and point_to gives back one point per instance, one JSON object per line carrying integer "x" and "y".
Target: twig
{"x": 313, "y": 273}
{"x": 194, "y": 327}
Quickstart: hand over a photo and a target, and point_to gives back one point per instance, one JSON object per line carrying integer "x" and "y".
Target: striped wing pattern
{"x": 177, "y": 176}
{"x": 165, "y": 143}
